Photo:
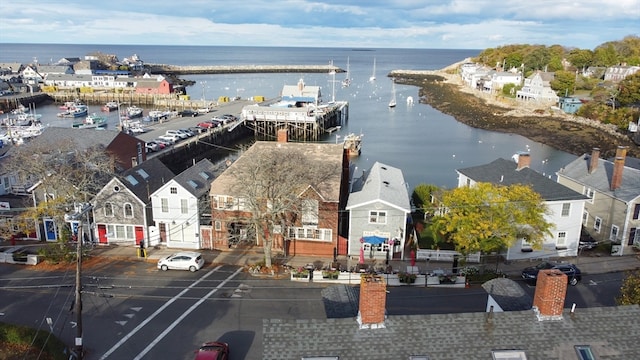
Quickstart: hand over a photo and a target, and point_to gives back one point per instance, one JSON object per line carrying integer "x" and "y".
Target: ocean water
{"x": 427, "y": 145}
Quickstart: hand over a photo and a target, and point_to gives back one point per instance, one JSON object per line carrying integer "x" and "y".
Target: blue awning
{"x": 375, "y": 240}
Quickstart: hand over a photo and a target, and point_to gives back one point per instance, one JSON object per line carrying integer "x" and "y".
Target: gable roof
{"x": 600, "y": 177}
{"x": 83, "y": 139}
{"x": 458, "y": 336}
{"x": 316, "y": 155}
{"x": 197, "y": 178}
{"x": 144, "y": 179}
{"x": 382, "y": 183}
{"x": 505, "y": 172}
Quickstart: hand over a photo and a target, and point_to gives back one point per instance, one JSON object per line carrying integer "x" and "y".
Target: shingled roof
{"x": 146, "y": 178}
{"x": 469, "y": 336}
{"x": 382, "y": 183}
{"x": 506, "y": 172}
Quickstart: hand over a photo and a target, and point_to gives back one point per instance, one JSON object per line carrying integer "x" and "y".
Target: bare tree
{"x": 275, "y": 186}
{"x": 61, "y": 175}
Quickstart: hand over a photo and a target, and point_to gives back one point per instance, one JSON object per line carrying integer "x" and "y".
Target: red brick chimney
{"x": 618, "y": 167}
{"x": 524, "y": 160}
{"x": 551, "y": 290}
{"x": 283, "y": 136}
{"x": 593, "y": 162}
{"x": 373, "y": 300}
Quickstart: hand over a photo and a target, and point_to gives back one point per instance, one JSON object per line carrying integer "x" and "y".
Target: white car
{"x": 185, "y": 260}
{"x": 178, "y": 133}
{"x": 172, "y": 138}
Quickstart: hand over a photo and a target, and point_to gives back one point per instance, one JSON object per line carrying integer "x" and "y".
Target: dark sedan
{"x": 574, "y": 275}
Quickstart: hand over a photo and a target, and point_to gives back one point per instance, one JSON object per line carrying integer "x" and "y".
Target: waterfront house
{"x": 537, "y": 88}
{"x": 127, "y": 151}
{"x": 13, "y": 67}
{"x": 378, "y": 209}
{"x": 619, "y": 72}
{"x": 122, "y": 209}
{"x": 314, "y": 230}
{"x": 180, "y": 205}
{"x": 494, "y": 81}
{"x": 31, "y": 75}
{"x": 46, "y": 70}
{"x": 612, "y": 211}
{"x": 564, "y": 205}
{"x": 569, "y": 104}
{"x": 153, "y": 86}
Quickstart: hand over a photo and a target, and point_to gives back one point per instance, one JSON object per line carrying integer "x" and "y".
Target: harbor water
{"x": 427, "y": 145}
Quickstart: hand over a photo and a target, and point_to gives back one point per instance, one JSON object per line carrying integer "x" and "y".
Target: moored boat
{"x": 77, "y": 111}
{"x": 353, "y": 144}
{"x": 92, "y": 121}
{"x": 110, "y": 106}
{"x": 133, "y": 112}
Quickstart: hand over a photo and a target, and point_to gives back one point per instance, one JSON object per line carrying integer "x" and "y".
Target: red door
{"x": 139, "y": 234}
{"x": 102, "y": 233}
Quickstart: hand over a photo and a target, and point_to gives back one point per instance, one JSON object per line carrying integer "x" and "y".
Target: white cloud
{"x": 377, "y": 23}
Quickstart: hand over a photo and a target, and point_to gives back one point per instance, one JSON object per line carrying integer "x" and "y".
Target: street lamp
{"x": 80, "y": 210}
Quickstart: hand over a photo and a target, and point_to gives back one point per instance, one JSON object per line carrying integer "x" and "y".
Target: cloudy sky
{"x": 444, "y": 24}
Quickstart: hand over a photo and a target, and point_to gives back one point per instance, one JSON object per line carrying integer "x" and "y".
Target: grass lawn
{"x": 24, "y": 343}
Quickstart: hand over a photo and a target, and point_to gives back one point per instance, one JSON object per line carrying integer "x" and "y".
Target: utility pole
{"x": 80, "y": 210}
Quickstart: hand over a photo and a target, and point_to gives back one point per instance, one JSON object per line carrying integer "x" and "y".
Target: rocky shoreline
{"x": 568, "y": 133}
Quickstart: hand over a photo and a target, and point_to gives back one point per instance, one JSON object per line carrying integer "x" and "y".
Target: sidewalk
{"x": 587, "y": 262}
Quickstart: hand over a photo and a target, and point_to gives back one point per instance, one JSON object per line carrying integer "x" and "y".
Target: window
{"x": 173, "y": 190}
{"x": 508, "y": 355}
{"x": 108, "y": 209}
{"x": 120, "y": 232}
{"x": 636, "y": 212}
{"x": 378, "y": 217}
{"x": 597, "y": 224}
{"x": 590, "y": 194}
{"x": 634, "y": 236}
{"x": 184, "y": 206}
{"x": 613, "y": 235}
{"x": 128, "y": 210}
{"x": 217, "y": 225}
{"x": 561, "y": 240}
{"x": 164, "y": 203}
{"x": 584, "y": 352}
{"x": 310, "y": 233}
{"x": 566, "y": 207}
{"x": 309, "y": 212}
{"x": 585, "y": 218}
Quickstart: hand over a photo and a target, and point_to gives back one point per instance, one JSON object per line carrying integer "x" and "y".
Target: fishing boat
{"x": 110, "y": 106}
{"x": 373, "y": 75}
{"x": 75, "y": 112}
{"x": 392, "y": 102}
{"x": 353, "y": 144}
{"x": 347, "y": 80}
{"x": 133, "y": 112}
{"x": 92, "y": 121}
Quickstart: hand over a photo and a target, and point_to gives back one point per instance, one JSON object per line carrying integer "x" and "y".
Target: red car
{"x": 213, "y": 350}
{"x": 207, "y": 124}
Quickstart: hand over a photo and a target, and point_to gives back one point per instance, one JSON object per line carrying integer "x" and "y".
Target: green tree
{"x": 564, "y": 82}
{"x": 605, "y": 55}
{"x": 580, "y": 58}
{"x": 488, "y": 217}
{"x": 630, "y": 290}
{"x": 421, "y": 196}
{"x": 630, "y": 90}
{"x": 537, "y": 59}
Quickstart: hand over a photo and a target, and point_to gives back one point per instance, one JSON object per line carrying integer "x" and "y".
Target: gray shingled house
{"x": 378, "y": 208}
{"x": 564, "y": 205}
{"x": 612, "y": 213}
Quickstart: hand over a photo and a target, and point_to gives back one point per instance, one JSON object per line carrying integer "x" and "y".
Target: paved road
{"x": 134, "y": 311}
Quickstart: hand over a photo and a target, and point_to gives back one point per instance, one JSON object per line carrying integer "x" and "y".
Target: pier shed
{"x": 300, "y": 109}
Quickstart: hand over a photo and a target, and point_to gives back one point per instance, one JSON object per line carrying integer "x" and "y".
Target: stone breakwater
{"x": 444, "y": 91}
{"x": 239, "y": 69}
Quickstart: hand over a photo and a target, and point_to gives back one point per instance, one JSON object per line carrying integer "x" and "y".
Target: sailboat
{"x": 392, "y": 102}
{"x": 373, "y": 76}
{"x": 347, "y": 81}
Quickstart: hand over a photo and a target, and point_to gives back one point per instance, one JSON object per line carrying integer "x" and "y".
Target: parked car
{"x": 187, "y": 113}
{"x": 530, "y": 274}
{"x": 213, "y": 350}
{"x": 204, "y": 110}
{"x": 181, "y": 135}
{"x": 197, "y": 129}
{"x": 163, "y": 142}
{"x": 187, "y": 132}
{"x": 185, "y": 260}
{"x": 152, "y": 146}
{"x": 209, "y": 124}
{"x": 172, "y": 138}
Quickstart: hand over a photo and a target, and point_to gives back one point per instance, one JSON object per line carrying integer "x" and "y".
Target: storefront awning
{"x": 374, "y": 240}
